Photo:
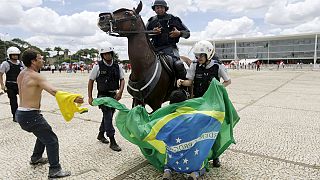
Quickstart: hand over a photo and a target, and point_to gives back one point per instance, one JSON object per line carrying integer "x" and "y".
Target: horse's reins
{"x": 133, "y": 20}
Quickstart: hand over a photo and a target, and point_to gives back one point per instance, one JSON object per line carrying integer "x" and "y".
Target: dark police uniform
{"x": 163, "y": 43}
{"x": 12, "y": 71}
{"x": 203, "y": 75}
{"x": 107, "y": 85}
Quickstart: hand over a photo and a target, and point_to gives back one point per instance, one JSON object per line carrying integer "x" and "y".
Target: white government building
{"x": 291, "y": 49}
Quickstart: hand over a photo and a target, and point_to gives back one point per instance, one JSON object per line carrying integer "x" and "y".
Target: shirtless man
{"x": 28, "y": 115}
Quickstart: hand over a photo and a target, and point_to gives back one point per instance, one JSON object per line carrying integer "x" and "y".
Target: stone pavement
{"x": 278, "y": 136}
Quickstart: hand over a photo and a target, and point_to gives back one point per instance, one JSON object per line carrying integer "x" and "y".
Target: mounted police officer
{"x": 168, "y": 29}
{"x": 110, "y": 83}
{"x": 11, "y": 67}
{"x": 203, "y": 70}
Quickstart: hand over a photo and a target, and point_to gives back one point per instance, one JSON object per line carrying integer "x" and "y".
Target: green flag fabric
{"x": 183, "y": 135}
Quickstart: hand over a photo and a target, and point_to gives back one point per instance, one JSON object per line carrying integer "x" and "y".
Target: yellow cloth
{"x": 67, "y": 105}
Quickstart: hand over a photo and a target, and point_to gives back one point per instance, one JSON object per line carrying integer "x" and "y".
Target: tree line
{"x": 85, "y": 55}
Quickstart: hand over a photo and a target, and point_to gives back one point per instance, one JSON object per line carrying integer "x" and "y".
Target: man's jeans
{"x": 33, "y": 121}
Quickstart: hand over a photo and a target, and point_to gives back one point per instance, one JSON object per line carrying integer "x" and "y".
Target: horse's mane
{"x": 122, "y": 9}
{"x": 144, "y": 26}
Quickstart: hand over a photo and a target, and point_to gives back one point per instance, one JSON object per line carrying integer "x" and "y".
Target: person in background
{"x": 11, "y": 67}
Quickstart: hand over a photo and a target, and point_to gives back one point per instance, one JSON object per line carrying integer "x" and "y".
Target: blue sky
{"x": 72, "y": 23}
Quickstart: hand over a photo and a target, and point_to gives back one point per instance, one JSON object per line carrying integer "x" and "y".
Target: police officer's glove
{"x": 179, "y": 82}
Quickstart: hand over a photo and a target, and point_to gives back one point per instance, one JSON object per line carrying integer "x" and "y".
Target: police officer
{"x": 168, "y": 30}
{"x": 11, "y": 67}
{"x": 203, "y": 70}
{"x": 110, "y": 83}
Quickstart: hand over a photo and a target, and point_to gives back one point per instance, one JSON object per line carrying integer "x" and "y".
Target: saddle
{"x": 167, "y": 63}
{"x": 141, "y": 89}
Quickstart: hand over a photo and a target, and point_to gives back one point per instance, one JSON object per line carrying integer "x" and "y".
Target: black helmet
{"x": 160, "y": 3}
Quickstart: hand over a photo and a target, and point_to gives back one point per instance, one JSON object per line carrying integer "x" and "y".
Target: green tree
{"x": 21, "y": 43}
{"x": 46, "y": 53}
{"x": 58, "y": 49}
{"x": 93, "y": 53}
{"x": 16, "y": 42}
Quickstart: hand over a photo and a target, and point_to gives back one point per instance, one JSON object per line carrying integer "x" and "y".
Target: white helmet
{"x": 106, "y": 50}
{"x": 204, "y": 47}
{"x": 13, "y": 50}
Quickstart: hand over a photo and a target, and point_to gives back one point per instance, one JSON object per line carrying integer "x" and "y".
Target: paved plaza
{"x": 278, "y": 135}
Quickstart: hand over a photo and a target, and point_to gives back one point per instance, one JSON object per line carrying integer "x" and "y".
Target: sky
{"x": 72, "y": 24}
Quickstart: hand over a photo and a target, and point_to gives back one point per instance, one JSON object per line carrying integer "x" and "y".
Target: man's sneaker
{"x": 167, "y": 175}
{"x": 39, "y": 161}
{"x": 60, "y": 174}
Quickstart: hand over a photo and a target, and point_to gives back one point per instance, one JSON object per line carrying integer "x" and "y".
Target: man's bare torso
{"x": 29, "y": 89}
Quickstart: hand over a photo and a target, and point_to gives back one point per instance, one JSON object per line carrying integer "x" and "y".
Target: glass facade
{"x": 225, "y": 50}
{"x": 284, "y": 48}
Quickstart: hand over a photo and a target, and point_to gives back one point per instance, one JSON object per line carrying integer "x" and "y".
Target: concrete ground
{"x": 278, "y": 136}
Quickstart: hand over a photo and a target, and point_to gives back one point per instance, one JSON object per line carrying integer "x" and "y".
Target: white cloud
{"x": 284, "y": 13}
{"x": 47, "y": 21}
{"x": 116, "y": 4}
{"x": 229, "y": 28}
{"x": 310, "y": 26}
{"x": 10, "y": 12}
{"x": 30, "y": 3}
{"x": 61, "y": 1}
{"x": 231, "y": 5}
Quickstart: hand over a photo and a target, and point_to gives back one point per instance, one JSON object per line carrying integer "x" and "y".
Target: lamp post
{"x": 315, "y": 51}
{"x": 268, "y": 52}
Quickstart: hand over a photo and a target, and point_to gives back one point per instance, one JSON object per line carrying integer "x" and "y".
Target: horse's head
{"x": 121, "y": 22}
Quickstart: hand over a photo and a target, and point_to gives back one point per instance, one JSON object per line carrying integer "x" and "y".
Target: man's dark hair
{"x": 177, "y": 96}
{"x": 29, "y": 55}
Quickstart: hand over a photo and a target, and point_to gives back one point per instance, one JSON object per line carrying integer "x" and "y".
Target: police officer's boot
{"x": 102, "y": 138}
{"x": 113, "y": 144}
{"x": 179, "y": 69}
{"x": 216, "y": 162}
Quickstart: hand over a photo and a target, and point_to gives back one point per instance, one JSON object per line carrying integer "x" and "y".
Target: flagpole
{"x": 268, "y": 52}
{"x": 315, "y": 51}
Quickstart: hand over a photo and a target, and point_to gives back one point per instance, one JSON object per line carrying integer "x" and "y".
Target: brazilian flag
{"x": 183, "y": 136}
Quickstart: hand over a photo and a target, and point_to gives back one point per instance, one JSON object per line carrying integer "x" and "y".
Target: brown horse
{"x": 150, "y": 81}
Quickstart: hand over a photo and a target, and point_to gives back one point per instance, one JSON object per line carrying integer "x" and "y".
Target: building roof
{"x": 252, "y": 39}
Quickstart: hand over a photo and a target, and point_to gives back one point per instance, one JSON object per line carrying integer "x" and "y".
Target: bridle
{"x": 107, "y": 20}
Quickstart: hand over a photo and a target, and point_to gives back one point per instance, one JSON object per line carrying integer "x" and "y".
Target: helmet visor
{"x": 198, "y": 55}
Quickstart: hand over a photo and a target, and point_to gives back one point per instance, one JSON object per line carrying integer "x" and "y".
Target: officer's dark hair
{"x": 177, "y": 96}
{"x": 29, "y": 55}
